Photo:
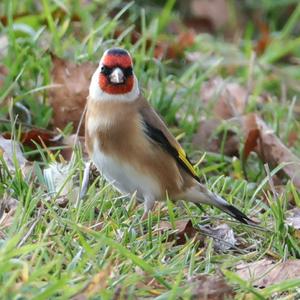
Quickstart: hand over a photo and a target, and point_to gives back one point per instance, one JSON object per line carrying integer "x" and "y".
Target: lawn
{"x": 225, "y": 78}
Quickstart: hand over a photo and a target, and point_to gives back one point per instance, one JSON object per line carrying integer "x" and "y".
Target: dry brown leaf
{"x": 174, "y": 48}
{"x": 251, "y": 142}
{"x": 8, "y": 206}
{"x": 68, "y": 98}
{"x": 3, "y": 74}
{"x": 223, "y": 236}
{"x": 171, "y": 46}
{"x": 258, "y": 136}
{"x": 47, "y": 138}
{"x": 134, "y": 35}
{"x": 211, "y": 288}
{"x": 265, "y": 272}
{"x": 293, "y": 218}
{"x": 265, "y": 38}
{"x": 38, "y": 136}
{"x": 205, "y": 15}
{"x": 269, "y": 147}
{"x": 183, "y": 229}
{"x": 10, "y": 150}
{"x": 227, "y": 98}
{"x": 207, "y": 139}
{"x": 292, "y": 138}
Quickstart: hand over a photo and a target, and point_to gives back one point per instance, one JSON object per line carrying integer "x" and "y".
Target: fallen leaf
{"x": 4, "y": 19}
{"x": 3, "y": 74}
{"x": 134, "y": 35}
{"x": 292, "y": 138}
{"x": 223, "y": 236}
{"x": 293, "y": 219}
{"x": 10, "y": 151}
{"x": 183, "y": 229}
{"x": 265, "y": 272}
{"x": 186, "y": 38}
{"x": 68, "y": 96}
{"x": 64, "y": 183}
{"x": 47, "y": 138}
{"x": 205, "y": 15}
{"x": 174, "y": 47}
{"x": 210, "y": 288}
{"x": 228, "y": 99}
{"x": 258, "y": 136}
{"x": 38, "y": 136}
{"x": 58, "y": 180}
{"x": 251, "y": 142}
{"x": 62, "y": 201}
{"x": 209, "y": 139}
{"x": 269, "y": 147}
{"x": 171, "y": 46}
{"x": 8, "y": 206}
{"x": 265, "y": 38}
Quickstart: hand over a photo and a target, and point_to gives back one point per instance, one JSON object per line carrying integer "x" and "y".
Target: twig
{"x": 271, "y": 182}
{"x": 80, "y": 124}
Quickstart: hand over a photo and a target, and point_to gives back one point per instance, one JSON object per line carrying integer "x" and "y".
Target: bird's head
{"x": 114, "y": 79}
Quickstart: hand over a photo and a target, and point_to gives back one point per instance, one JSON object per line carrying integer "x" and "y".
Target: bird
{"x": 132, "y": 147}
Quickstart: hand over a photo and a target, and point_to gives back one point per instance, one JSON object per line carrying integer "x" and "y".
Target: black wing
{"x": 177, "y": 152}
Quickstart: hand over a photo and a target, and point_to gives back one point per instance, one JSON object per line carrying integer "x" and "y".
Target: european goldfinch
{"x": 131, "y": 145}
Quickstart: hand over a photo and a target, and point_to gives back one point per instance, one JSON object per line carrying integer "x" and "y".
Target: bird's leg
{"x": 148, "y": 206}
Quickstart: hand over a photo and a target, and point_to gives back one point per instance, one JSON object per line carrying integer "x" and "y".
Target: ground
{"x": 227, "y": 87}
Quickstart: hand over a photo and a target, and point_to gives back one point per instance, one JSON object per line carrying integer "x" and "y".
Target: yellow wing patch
{"x": 184, "y": 159}
{"x": 173, "y": 148}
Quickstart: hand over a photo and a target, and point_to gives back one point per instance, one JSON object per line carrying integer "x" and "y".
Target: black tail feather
{"x": 201, "y": 195}
{"x": 238, "y": 215}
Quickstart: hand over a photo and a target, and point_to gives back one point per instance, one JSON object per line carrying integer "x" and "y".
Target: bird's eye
{"x": 105, "y": 70}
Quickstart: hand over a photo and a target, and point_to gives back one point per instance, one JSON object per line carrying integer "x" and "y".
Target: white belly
{"x": 124, "y": 177}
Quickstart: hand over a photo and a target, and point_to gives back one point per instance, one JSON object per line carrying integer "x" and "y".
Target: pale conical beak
{"x": 117, "y": 76}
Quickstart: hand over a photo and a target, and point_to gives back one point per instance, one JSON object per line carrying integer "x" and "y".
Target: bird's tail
{"x": 203, "y": 195}
{"x": 230, "y": 209}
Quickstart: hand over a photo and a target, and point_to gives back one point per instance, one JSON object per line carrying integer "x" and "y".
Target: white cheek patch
{"x": 97, "y": 94}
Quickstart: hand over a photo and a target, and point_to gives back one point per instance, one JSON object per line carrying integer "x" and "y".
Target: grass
{"x": 98, "y": 248}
